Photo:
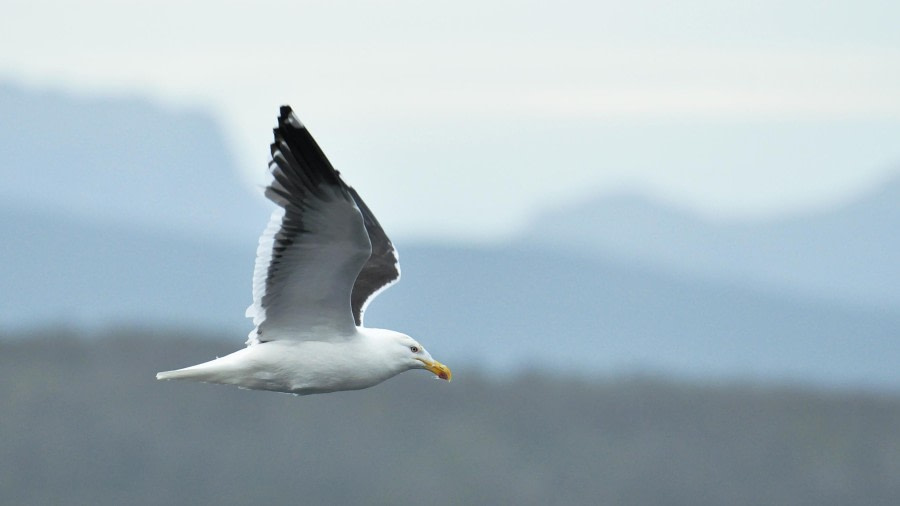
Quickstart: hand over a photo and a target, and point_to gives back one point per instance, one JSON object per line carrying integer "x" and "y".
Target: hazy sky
{"x": 467, "y": 117}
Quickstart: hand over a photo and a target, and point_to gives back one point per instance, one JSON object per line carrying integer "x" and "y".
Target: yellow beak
{"x": 439, "y": 369}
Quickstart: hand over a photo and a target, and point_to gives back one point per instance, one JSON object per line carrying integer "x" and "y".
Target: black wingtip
{"x": 298, "y": 159}
{"x": 287, "y": 119}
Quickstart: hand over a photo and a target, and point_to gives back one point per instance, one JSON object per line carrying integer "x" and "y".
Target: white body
{"x": 308, "y": 367}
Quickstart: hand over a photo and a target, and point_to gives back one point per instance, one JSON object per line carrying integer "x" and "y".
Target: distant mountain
{"x": 59, "y": 269}
{"x": 625, "y": 286}
{"x": 122, "y": 160}
{"x": 505, "y": 308}
{"x": 850, "y": 254}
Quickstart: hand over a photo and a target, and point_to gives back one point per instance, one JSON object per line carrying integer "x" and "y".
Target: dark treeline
{"x": 84, "y": 422}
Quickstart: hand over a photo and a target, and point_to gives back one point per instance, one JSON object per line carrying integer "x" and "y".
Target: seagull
{"x": 322, "y": 258}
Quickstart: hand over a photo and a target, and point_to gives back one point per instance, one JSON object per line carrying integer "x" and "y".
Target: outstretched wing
{"x": 314, "y": 248}
{"x": 381, "y": 270}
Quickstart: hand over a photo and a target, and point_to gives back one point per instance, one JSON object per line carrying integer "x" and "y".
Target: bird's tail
{"x": 231, "y": 369}
{"x": 214, "y": 371}
{"x": 177, "y": 374}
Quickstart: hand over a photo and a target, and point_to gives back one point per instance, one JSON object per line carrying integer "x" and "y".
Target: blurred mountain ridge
{"x": 846, "y": 254}
{"x": 622, "y": 294}
{"x": 122, "y": 160}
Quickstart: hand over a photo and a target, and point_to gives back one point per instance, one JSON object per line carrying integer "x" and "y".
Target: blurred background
{"x": 657, "y": 243}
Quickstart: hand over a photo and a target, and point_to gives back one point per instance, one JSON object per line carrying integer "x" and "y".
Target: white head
{"x": 414, "y": 356}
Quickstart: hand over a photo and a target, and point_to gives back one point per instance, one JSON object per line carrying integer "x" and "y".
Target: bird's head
{"x": 417, "y": 357}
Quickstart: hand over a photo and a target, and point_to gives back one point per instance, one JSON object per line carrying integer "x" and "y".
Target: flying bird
{"x": 320, "y": 261}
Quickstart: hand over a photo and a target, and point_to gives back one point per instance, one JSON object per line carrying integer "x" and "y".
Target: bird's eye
{"x": 414, "y": 349}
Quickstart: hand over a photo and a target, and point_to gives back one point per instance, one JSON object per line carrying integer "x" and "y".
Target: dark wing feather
{"x": 381, "y": 270}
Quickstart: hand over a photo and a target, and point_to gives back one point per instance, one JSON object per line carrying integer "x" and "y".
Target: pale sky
{"x": 467, "y": 117}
